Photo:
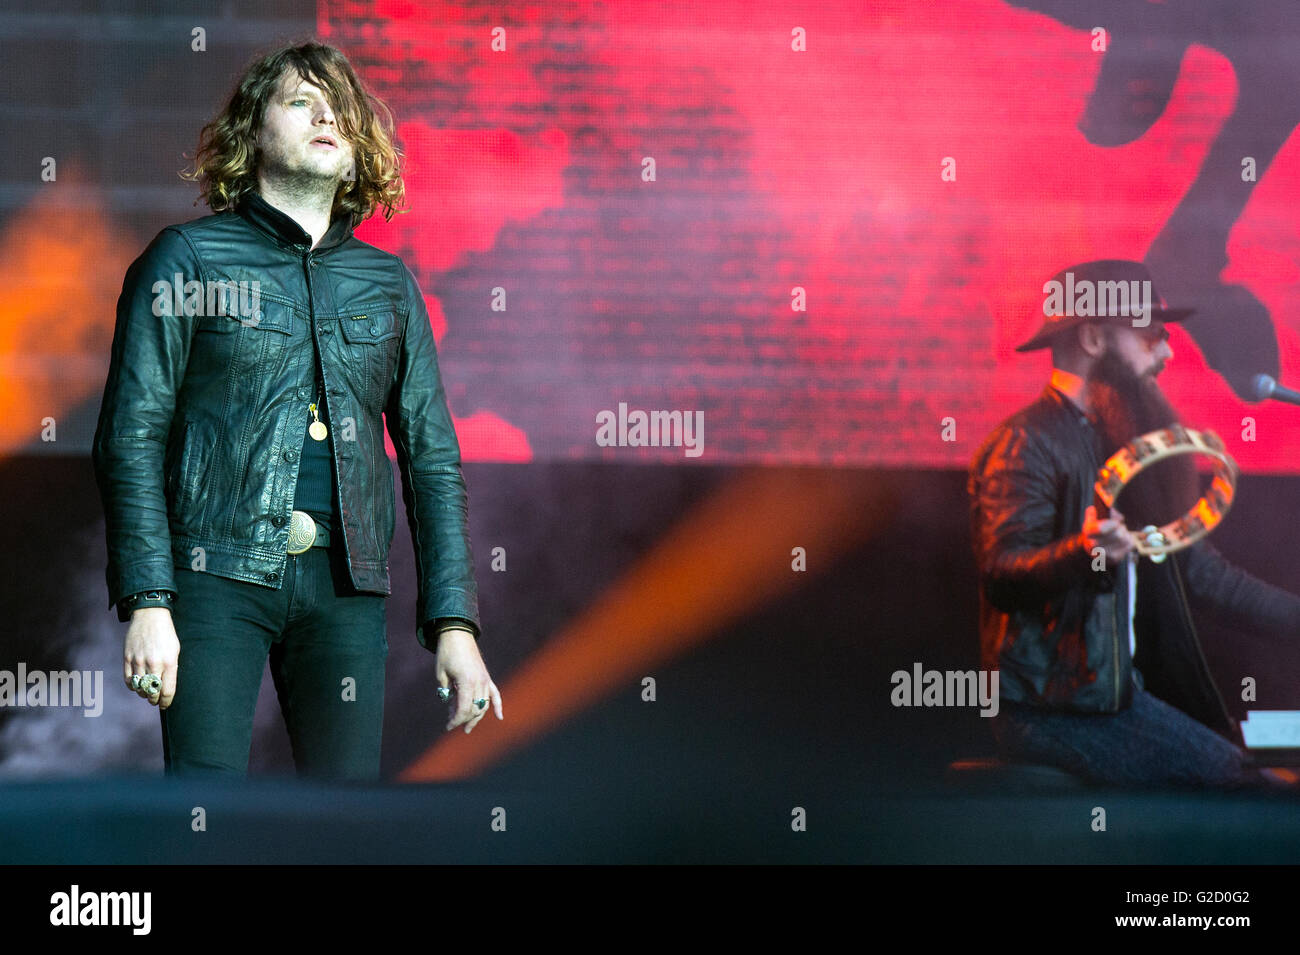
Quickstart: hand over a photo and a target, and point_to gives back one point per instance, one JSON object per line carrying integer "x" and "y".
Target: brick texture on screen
{"x": 778, "y": 169}
{"x": 665, "y": 295}
{"x": 775, "y": 170}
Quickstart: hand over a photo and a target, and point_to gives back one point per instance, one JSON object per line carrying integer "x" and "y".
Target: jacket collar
{"x": 282, "y": 228}
{"x": 1087, "y": 426}
{"x": 1054, "y": 393}
{"x": 1068, "y": 384}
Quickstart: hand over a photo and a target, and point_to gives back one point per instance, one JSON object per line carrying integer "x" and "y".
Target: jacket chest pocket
{"x": 238, "y": 342}
{"x": 371, "y": 338}
{"x": 257, "y": 313}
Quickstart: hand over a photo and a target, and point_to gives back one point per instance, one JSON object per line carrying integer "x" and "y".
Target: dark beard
{"x": 1125, "y": 406}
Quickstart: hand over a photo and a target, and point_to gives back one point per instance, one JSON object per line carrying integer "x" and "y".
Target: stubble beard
{"x": 303, "y": 185}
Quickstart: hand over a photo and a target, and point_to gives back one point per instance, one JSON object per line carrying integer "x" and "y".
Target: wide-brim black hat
{"x": 1100, "y": 291}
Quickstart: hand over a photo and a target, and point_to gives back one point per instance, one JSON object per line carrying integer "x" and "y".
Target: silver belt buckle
{"x": 302, "y": 532}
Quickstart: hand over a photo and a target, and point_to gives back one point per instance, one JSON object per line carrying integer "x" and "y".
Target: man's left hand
{"x": 460, "y": 666}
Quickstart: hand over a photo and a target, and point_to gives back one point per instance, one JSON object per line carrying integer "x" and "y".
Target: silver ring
{"x": 135, "y": 681}
{"x": 444, "y": 693}
{"x": 480, "y": 703}
{"x": 151, "y": 683}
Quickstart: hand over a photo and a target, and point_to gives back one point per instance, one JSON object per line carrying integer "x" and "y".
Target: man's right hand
{"x": 1111, "y": 535}
{"x": 152, "y": 647}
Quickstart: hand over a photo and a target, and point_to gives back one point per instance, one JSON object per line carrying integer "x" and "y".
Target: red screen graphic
{"x": 778, "y": 168}
{"x": 853, "y": 210}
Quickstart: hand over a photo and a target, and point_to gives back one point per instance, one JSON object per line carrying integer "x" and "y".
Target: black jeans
{"x": 1149, "y": 744}
{"x": 327, "y": 645}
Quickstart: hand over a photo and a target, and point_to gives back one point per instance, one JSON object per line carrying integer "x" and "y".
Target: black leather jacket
{"x": 197, "y": 448}
{"x": 1055, "y": 628}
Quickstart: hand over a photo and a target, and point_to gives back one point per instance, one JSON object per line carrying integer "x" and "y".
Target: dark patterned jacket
{"x": 198, "y": 444}
{"x": 1055, "y": 628}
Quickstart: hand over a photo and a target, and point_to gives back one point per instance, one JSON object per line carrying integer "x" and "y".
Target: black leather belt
{"x": 305, "y": 533}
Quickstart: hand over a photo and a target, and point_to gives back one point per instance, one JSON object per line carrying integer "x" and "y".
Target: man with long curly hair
{"x": 240, "y": 449}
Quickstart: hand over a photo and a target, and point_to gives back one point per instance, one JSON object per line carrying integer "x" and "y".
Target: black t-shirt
{"x": 315, "y": 491}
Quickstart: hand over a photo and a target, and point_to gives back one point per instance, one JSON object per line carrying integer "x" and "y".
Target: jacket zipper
{"x": 309, "y": 259}
{"x": 1114, "y": 622}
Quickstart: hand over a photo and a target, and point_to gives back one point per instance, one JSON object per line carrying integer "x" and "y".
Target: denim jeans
{"x": 327, "y": 646}
{"x": 1149, "y": 744}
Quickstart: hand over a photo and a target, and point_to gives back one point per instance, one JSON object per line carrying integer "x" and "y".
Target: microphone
{"x": 1266, "y": 386}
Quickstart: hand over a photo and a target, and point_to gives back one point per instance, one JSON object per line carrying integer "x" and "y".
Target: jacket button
{"x": 272, "y": 577}
{"x": 278, "y": 520}
{"x": 291, "y": 456}
{"x": 374, "y": 329}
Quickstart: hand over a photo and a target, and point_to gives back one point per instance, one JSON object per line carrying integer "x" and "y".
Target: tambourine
{"x": 1144, "y": 451}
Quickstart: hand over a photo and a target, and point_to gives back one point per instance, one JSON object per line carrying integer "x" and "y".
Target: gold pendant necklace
{"x": 317, "y": 429}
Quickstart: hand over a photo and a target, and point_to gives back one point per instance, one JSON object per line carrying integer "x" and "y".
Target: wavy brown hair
{"x": 225, "y": 165}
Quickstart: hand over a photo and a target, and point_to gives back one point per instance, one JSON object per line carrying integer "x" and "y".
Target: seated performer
{"x": 1065, "y": 605}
